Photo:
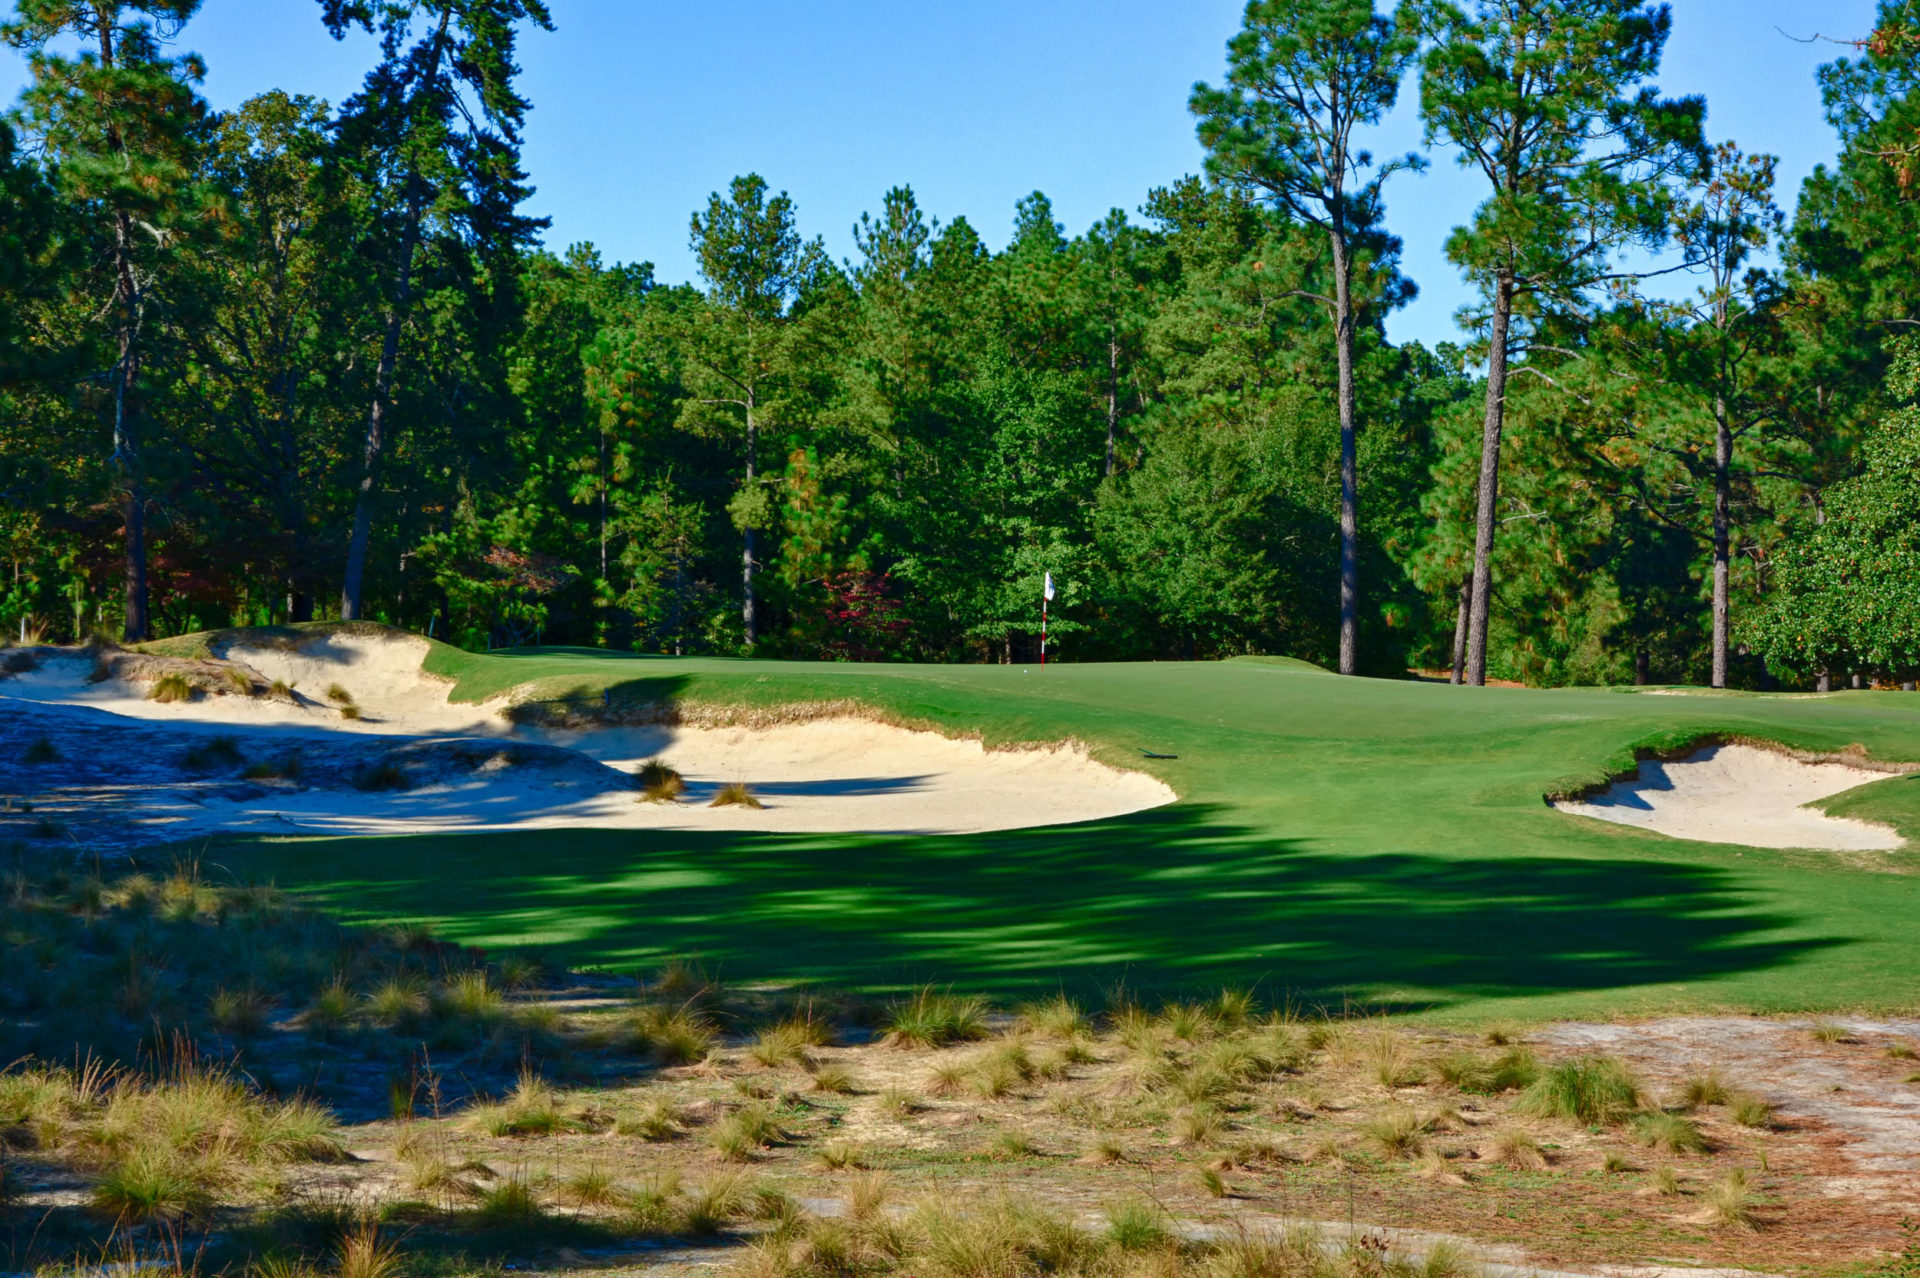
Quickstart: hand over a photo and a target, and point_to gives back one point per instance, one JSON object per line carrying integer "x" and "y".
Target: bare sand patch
{"x": 1741, "y": 794}
{"x": 413, "y": 762}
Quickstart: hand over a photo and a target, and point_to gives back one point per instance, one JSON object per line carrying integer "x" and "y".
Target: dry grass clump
{"x": 746, "y": 1131}
{"x": 1593, "y": 1090}
{"x": 532, "y": 1108}
{"x": 658, "y": 783}
{"x": 735, "y": 794}
{"x": 41, "y": 750}
{"x": 1702, "y": 1090}
{"x": 834, "y": 1079}
{"x": 1829, "y": 1032}
{"x": 1057, "y": 1017}
{"x": 670, "y": 1035}
{"x": 935, "y": 1018}
{"x": 170, "y": 688}
{"x": 217, "y": 752}
{"x": 1395, "y": 1133}
{"x": 1730, "y": 1202}
{"x": 339, "y": 695}
{"x": 385, "y": 775}
{"x": 1749, "y": 1110}
{"x": 1669, "y": 1134}
{"x": 1507, "y": 1071}
{"x": 1517, "y": 1149}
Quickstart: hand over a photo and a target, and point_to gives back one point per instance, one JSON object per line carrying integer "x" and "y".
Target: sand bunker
{"x": 1741, "y": 794}
{"x": 131, "y": 770}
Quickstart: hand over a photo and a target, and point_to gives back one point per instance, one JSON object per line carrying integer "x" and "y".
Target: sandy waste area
{"x": 1741, "y": 794}
{"x": 127, "y": 770}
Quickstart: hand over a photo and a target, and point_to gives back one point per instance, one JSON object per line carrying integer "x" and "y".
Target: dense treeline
{"x": 298, "y": 360}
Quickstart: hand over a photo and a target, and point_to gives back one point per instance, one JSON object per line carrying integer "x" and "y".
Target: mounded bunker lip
{"x": 1748, "y": 793}
{"x": 370, "y": 728}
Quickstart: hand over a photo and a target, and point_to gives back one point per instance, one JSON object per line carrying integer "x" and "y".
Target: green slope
{"x": 1337, "y": 840}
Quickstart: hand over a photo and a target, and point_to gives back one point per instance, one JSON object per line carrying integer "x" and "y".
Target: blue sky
{"x": 642, "y": 107}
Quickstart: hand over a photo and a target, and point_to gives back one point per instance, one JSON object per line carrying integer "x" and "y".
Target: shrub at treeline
{"x": 300, "y": 360}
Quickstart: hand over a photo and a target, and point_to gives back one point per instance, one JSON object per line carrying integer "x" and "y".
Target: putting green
{"x": 1338, "y": 841}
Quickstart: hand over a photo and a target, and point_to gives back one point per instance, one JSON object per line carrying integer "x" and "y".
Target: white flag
{"x": 1046, "y": 591}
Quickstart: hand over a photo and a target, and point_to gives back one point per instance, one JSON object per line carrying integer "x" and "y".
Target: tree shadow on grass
{"x": 1172, "y": 899}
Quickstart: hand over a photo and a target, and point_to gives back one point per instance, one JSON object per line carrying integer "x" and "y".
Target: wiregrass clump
{"x": 1593, "y": 1090}
{"x": 170, "y": 688}
{"x": 735, "y": 794}
{"x": 658, "y": 782}
{"x": 934, "y": 1018}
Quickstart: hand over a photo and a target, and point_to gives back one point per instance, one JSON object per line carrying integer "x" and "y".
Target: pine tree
{"x": 1304, "y": 77}
{"x": 1548, "y": 100}
{"x": 434, "y": 136}
{"x": 123, "y": 122}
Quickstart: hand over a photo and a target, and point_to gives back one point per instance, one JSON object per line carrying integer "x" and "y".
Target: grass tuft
{"x": 1749, "y": 1110}
{"x": 1593, "y": 1090}
{"x": 1669, "y": 1134}
{"x": 658, "y": 783}
{"x": 1731, "y": 1200}
{"x": 735, "y": 794}
{"x": 41, "y": 750}
{"x": 933, "y": 1018}
{"x": 170, "y": 688}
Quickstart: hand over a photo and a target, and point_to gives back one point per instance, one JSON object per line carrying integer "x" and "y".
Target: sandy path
{"x": 1741, "y": 794}
{"x": 127, "y": 772}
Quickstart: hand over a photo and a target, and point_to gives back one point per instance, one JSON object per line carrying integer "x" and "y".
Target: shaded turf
{"x": 1336, "y": 840}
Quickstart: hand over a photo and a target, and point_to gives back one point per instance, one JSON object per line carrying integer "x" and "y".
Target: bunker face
{"x": 1741, "y": 794}
{"x": 413, "y": 762}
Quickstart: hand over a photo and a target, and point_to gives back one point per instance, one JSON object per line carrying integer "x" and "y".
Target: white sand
{"x": 830, "y": 775}
{"x": 1741, "y": 794}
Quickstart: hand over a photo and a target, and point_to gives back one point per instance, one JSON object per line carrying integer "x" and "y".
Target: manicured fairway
{"x": 1337, "y": 840}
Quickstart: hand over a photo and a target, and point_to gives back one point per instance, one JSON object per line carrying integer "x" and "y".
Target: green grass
{"x": 1338, "y": 843}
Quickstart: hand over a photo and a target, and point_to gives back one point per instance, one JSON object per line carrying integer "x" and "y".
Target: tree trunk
{"x": 1113, "y": 390}
{"x": 1722, "y": 536}
{"x": 1486, "y": 517}
{"x": 353, "y": 588}
{"x": 748, "y": 620}
{"x": 1642, "y": 668}
{"x": 125, "y": 462}
{"x": 1823, "y": 682}
{"x": 1460, "y": 632}
{"x": 1349, "y": 462}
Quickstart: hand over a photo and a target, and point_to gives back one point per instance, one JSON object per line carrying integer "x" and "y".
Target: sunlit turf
{"x": 1341, "y": 842}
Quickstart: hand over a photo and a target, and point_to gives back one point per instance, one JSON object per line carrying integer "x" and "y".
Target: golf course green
{"x": 1341, "y": 843}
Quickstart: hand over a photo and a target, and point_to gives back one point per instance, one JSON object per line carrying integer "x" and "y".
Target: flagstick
{"x": 1043, "y": 632}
